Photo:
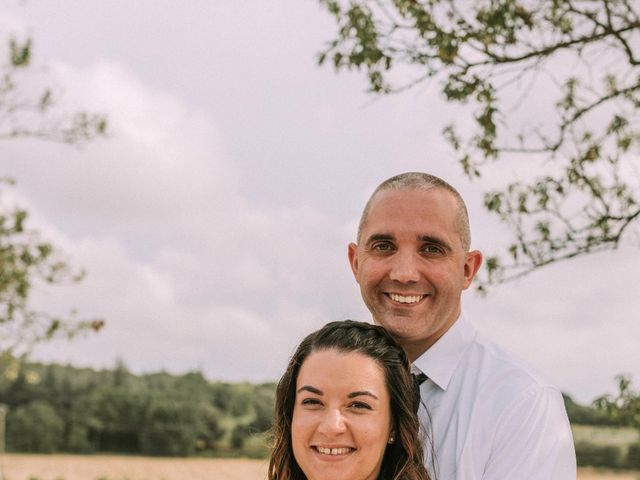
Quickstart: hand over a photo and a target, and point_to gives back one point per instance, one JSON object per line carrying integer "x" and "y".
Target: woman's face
{"x": 341, "y": 418}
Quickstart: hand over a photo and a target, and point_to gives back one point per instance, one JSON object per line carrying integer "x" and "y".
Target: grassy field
{"x": 108, "y": 467}
{"x": 112, "y": 467}
{"x": 619, "y": 436}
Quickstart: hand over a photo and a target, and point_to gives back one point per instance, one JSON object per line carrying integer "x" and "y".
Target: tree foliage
{"x": 554, "y": 84}
{"x": 26, "y": 258}
{"x": 588, "y": 415}
{"x": 57, "y": 408}
{"x": 35, "y": 427}
{"x": 30, "y": 110}
{"x": 89, "y": 411}
{"x": 623, "y": 407}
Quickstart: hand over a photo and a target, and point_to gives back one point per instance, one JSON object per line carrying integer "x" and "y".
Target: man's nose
{"x": 332, "y": 423}
{"x": 404, "y": 267}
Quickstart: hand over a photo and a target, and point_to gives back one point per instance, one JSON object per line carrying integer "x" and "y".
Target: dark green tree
{"x": 242, "y": 400}
{"x": 26, "y": 257}
{"x": 554, "y": 85}
{"x": 624, "y": 409}
{"x": 210, "y": 428}
{"x": 172, "y": 428}
{"x": 119, "y": 411}
{"x": 624, "y": 406}
{"x": 239, "y": 436}
{"x": 35, "y": 427}
{"x": 221, "y": 395}
{"x": 84, "y": 427}
{"x": 120, "y": 414}
{"x": 587, "y": 415}
{"x": 263, "y": 403}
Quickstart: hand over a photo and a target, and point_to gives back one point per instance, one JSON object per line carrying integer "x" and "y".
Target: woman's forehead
{"x": 335, "y": 369}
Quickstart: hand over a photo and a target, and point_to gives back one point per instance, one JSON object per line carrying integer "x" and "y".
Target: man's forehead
{"x": 432, "y": 211}
{"x": 433, "y": 198}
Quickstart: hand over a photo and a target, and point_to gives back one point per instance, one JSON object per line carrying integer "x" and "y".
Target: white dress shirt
{"x": 490, "y": 415}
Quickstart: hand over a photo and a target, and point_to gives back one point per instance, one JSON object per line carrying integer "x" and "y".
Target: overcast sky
{"x": 214, "y": 221}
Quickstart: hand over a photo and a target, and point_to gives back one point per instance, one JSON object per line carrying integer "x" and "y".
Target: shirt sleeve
{"x": 533, "y": 440}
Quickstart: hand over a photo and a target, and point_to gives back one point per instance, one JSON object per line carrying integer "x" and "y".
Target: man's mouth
{"x": 407, "y": 299}
{"x": 334, "y": 451}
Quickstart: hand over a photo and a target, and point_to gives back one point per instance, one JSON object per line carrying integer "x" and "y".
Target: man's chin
{"x": 399, "y": 326}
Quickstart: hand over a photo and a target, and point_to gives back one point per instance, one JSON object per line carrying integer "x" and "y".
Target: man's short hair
{"x": 423, "y": 181}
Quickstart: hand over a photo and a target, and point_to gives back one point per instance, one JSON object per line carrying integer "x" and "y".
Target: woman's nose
{"x": 332, "y": 422}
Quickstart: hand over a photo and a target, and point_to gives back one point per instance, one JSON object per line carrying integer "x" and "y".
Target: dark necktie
{"x": 418, "y": 379}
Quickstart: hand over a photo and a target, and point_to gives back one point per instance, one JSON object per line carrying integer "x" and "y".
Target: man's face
{"x": 411, "y": 266}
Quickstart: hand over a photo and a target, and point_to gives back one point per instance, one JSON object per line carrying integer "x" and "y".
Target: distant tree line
{"x": 54, "y": 408}
{"x": 588, "y": 415}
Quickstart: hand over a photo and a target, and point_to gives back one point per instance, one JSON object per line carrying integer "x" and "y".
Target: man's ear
{"x": 471, "y": 266}
{"x": 353, "y": 259}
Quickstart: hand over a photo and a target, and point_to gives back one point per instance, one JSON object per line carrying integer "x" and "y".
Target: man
{"x": 489, "y": 415}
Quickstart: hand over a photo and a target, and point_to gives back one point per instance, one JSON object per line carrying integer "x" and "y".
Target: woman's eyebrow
{"x": 309, "y": 388}
{"x": 360, "y": 393}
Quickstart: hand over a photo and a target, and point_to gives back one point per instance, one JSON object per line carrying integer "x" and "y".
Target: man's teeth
{"x": 405, "y": 299}
{"x": 334, "y": 451}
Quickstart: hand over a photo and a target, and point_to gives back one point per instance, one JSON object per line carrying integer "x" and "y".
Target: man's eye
{"x": 382, "y": 247}
{"x": 432, "y": 250}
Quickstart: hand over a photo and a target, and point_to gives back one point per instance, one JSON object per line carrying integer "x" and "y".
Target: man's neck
{"x": 414, "y": 349}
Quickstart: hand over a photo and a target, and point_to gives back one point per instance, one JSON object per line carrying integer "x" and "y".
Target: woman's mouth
{"x": 334, "y": 451}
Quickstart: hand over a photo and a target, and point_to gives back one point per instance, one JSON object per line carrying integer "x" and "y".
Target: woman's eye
{"x": 310, "y": 401}
{"x": 360, "y": 406}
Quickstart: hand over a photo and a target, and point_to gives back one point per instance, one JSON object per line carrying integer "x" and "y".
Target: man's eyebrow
{"x": 309, "y": 388}
{"x": 360, "y": 393}
{"x": 434, "y": 240}
{"x": 379, "y": 236}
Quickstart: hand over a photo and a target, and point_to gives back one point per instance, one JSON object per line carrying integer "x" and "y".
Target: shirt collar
{"x": 442, "y": 358}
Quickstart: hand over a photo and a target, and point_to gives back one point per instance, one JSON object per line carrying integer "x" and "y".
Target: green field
{"x": 618, "y": 436}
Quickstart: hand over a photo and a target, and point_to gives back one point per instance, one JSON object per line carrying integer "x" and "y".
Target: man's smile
{"x": 406, "y": 299}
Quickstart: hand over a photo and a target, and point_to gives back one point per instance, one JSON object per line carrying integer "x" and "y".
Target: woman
{"x": 345, "y": 409}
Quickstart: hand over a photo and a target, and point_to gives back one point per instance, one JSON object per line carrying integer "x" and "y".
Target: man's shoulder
{"x": 503, "y": 371}
{"x": 496, "y": 387}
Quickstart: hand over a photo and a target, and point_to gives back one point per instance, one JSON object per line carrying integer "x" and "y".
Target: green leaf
{"x": 20, "y": 53}
{"x": 19, "y": 217}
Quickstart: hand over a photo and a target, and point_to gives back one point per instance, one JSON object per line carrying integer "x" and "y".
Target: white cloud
{"x": 213, "y": 223}
{"x": 185, "y": 270}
